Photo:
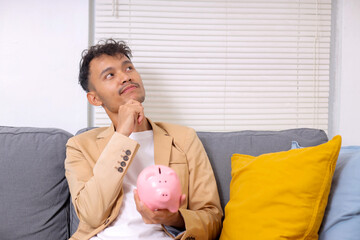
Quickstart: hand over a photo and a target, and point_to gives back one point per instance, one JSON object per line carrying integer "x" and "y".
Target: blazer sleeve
{"x": 96, "y": 188}
{"x": 203, "y": 216}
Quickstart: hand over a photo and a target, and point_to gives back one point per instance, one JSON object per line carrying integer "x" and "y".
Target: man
{"x": 102, "y": 164}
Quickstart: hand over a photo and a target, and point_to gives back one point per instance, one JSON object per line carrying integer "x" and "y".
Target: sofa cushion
{"x": 221, "y": 145}
{"x": 342, "y": 216}
{"x": 34, "y": 193}
{"x": 280, "y": 195}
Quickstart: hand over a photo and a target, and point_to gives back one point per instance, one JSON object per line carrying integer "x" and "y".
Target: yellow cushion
{"x": 280, "y": 195}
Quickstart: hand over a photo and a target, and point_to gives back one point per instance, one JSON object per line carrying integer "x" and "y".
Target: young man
{"x": 102, "y": 164}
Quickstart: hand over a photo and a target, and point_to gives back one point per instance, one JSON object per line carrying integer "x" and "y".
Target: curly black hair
{"x": 109, "y": 47}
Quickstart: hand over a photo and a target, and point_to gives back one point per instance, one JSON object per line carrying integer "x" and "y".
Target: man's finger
{"x": 182, "y": 199}
{"x": 140, "y": 117}
{"x": 137, "y": 200}
{"x": 142, "y": 208}
{"x": 132, "y": 101}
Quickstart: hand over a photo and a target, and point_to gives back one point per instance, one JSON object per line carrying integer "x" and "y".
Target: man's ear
{"x": 93, "y": 99}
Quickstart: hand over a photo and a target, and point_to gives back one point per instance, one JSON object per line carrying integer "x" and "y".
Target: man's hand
{"x": 130, "y": 115}
{"x": 161, "y": 216}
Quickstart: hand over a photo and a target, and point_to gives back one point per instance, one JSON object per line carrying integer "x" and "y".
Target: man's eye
{"x": 129, "y": 68}
{"x": 110, "y": 75}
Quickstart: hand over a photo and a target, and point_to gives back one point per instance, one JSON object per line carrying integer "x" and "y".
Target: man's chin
{"x": 140, "y": 99}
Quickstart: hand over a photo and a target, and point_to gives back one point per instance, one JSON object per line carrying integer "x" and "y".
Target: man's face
{"x": 113, "y": 80}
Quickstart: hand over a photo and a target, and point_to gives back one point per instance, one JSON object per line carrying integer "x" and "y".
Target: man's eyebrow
{"x": 111, "y": 68}
{"x": 105, "y": 70}
{"x": 126, "y": 62}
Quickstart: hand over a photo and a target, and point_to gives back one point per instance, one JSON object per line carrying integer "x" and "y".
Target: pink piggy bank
{"x": 159, "y": 188}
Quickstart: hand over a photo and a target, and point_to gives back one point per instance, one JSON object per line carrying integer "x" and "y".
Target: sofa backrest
{"x": 221, "y": 145}
{"x": 34, "y": 195}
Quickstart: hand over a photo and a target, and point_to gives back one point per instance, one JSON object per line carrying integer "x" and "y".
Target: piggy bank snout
{"x": 164, "y": 195}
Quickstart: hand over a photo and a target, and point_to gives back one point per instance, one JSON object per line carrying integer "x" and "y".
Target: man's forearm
{"x": 95, "y": 190}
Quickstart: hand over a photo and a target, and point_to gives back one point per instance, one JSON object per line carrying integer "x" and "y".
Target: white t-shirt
{"x": 129, "y": 223}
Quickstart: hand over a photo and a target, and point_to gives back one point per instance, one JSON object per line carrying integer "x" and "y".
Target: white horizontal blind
{"x": 226, "y": 65}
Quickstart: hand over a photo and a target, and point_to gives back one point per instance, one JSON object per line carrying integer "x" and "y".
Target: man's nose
{"x": 124, "y": 77}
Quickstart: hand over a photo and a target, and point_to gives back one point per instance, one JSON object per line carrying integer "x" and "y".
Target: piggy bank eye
{"x": 165, "y": 181}
{"x": 159, "y": 181}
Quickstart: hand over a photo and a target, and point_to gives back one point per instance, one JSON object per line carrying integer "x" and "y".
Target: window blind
{"x": 226, "y": 65}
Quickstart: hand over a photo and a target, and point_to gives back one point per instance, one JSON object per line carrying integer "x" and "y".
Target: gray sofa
{"x": 34, "y": 196}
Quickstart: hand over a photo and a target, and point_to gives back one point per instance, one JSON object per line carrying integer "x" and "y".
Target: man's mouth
{"x": 128, "y": 87}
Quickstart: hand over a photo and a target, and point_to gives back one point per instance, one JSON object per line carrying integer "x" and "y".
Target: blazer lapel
{"x": 162, "y": 145}
{"x": 162, "y": 142}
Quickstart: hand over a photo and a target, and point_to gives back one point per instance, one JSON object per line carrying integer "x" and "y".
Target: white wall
{"x": 346, "y": 71}
{"x": 40, "y": 47}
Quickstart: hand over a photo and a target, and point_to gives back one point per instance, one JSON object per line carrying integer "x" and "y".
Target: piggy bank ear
{"x": 172, "y": 173}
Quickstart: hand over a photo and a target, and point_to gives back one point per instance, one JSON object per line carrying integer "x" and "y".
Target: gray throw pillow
{"x": 34, "y": 196}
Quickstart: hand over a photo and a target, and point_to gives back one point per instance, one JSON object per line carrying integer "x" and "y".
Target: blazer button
{"x": 128, "y": 152}
{"x": 123, "y": 164}
{"x": 126, "y": 158}
{"x": 120, "y": 169}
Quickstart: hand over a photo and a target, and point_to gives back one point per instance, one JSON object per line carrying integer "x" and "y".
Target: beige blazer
{"x": 95, "y": 175}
